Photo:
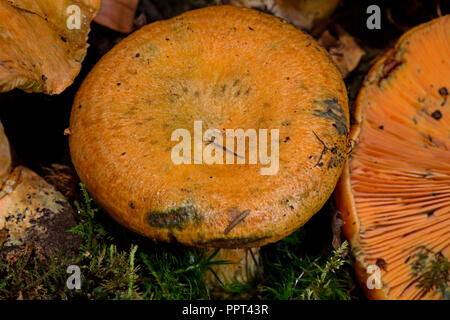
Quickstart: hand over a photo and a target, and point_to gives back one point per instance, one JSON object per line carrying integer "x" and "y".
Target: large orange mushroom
{"x": 231, "y": 68}
{"x": 394, "y": 194}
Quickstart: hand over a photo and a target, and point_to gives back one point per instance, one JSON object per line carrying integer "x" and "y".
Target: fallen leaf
{"x": 336, "y": 226}
{"x": 117, "y": 15}
{"x": 344, "y": 50}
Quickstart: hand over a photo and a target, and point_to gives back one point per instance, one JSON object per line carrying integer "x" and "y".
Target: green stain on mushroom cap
{"x": 174, "y": 218}
{"x": 332, "y": 110}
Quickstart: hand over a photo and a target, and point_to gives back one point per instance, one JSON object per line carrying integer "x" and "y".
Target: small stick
{"x": 324, "y": 150}
{"x": 237, "y": 220}
{"x": 253, "y": 257}
{"x": 223, "y": 147}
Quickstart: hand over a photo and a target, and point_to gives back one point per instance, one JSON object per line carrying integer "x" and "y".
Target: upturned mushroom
{"x": 135, "y": 124}
{"x": 43, "y": 42}
{"x": 394, "y": 194}
{"x": 33, "y": 214}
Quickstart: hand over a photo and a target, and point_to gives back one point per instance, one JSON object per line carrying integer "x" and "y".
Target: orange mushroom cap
{"x": 394, "y": 194}
{"x": 231, "y": 68}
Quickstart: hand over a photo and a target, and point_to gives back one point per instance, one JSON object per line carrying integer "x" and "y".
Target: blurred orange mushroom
{"x": 43, "y": 43}
{"x": 117, "y": 15}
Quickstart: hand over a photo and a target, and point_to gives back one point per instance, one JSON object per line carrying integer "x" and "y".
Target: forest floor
{"x": 118, "y": 264}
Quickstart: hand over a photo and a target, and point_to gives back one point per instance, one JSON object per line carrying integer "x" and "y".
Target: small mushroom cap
{"x": 394, "y": 194}
{"x": 230, "y": 68}
{"x": 38, "y": 50}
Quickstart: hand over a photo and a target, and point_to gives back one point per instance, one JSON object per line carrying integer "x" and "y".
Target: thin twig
{"x": 324, "y": 150}
{"x": 237, "y": 220}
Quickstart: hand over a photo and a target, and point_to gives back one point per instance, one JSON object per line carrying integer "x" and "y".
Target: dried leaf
{"x": 38, "y": 50}
{"x": 117, "y": 15}
{"x": 62, "y": 177}
{"x": 336, "y": 225}
{"x": 344, "y": 51}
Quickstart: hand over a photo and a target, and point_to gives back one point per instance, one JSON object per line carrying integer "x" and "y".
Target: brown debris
{"x": 344, "y": 50}
{"x": 62, "y": 177}
{"x": 35, "y": 213}
{"x": 245, "y": 266}
{"x": 336, "y": 225}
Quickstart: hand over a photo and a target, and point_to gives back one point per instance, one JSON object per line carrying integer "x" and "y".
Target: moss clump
{"x": 118, "y": 264}
{"x": 432, "y": 272}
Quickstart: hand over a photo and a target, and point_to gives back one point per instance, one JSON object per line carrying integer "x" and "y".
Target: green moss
{"x": 431, "y": 271}
{"x": 118, "y": 264}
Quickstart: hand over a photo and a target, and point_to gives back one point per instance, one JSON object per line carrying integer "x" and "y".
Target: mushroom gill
{"x": 394, "y": 194}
